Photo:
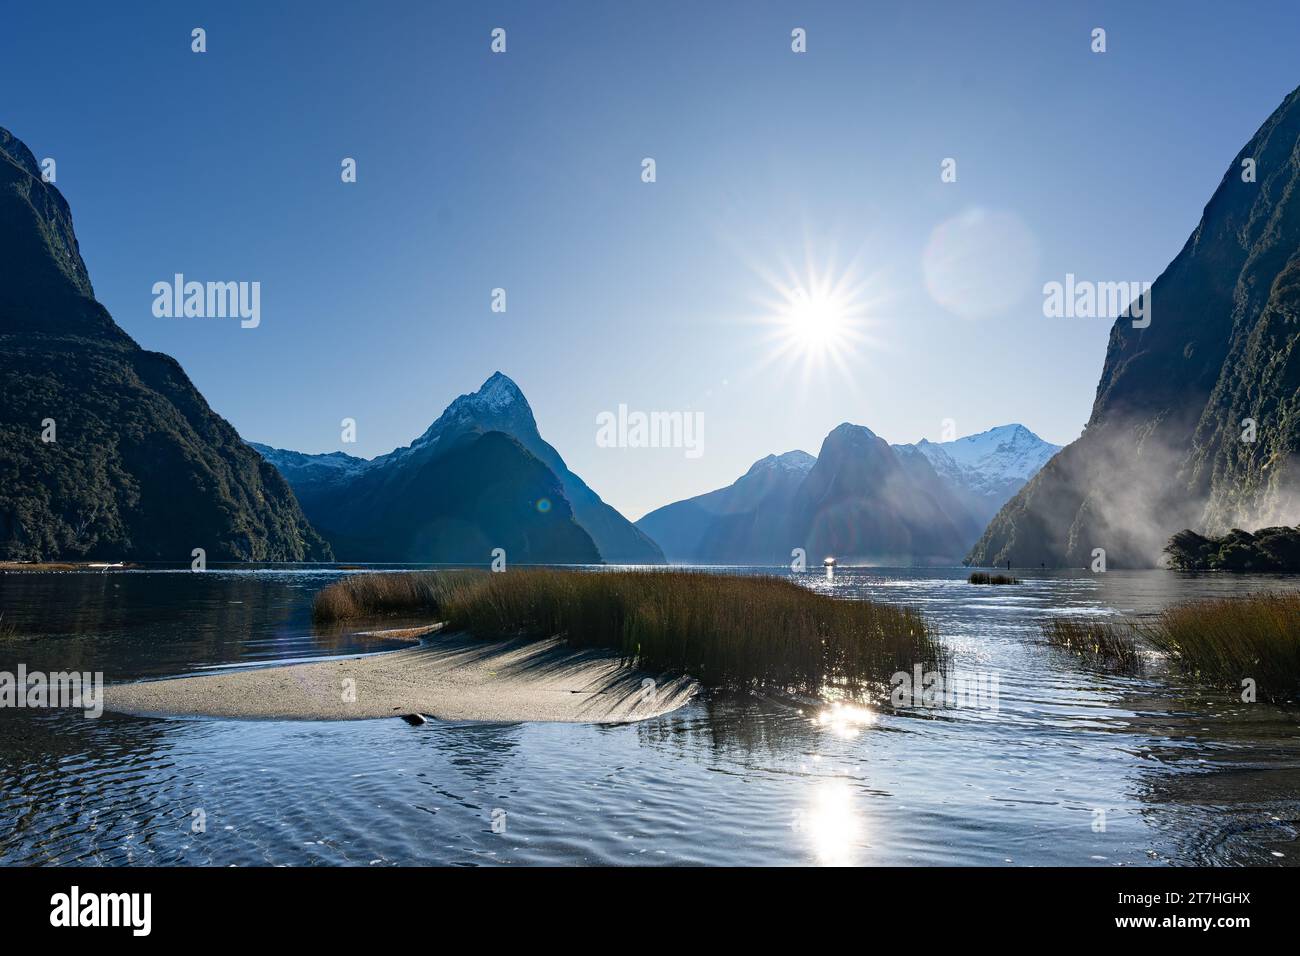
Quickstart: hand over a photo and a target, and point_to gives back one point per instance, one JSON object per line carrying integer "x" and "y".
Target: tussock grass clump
{"x": 1106, "y": 642}
{"x": 730, "y": 630}
{"x": 1225, "y": 640}
{"x": 385, "y": 594}
{"x": 983, "y": 577}
{"x": 1217, "y": 640}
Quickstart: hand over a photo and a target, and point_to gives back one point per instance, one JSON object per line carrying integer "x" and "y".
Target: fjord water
{"x": 1075, "y": 766}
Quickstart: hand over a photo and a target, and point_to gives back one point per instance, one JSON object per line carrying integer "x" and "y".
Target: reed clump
{"x": 385, "y": 594}
{"x": 1109, "y": 643}
{"x": 983, "y": 577}
{"x": 1229, "y": 640}
{"x": 1217, "y": 640}
{"x": 724, "y": 630}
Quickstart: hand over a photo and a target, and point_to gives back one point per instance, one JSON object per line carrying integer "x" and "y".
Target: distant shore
{"x": 445, "y": 677}
{"x": 65, "y": 566}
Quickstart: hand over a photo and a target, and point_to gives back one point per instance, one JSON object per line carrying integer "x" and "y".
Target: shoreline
{"x": 450, "y": 677}
{"x": 38, "y": 567}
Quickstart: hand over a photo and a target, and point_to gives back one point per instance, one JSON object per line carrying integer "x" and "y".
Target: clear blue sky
{"x": 523, "y": 171}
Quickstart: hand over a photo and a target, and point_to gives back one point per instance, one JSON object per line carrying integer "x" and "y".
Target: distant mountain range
{"x": 106, "y": 450}
{"x": 480, "y": 477}
{"x": 861, "y": 500}
{"x": 1196, "y": 423}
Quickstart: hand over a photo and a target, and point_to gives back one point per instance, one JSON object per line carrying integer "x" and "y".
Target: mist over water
{"x": 1180, "y": 774}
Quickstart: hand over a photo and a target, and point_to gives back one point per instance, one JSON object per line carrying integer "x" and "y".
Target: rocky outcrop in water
{"x": 1268, "y": 550}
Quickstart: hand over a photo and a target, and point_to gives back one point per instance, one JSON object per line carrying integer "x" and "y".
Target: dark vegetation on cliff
{"x": 140, "y": 467}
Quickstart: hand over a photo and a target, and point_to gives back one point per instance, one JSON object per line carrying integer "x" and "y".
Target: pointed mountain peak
{"x": 498, "y": 405}
{"x": 999, "y": 432}
{"x": 1000, "y": 439}
{"x": 499, "y": 391}
{"x": 998, "y": 435}
{"x": 18, "y": 153}
{"x": 497, "y": 396}
{"x": 989, "y": 462}
{"x": 40, "y": 252}
{"x": 1012, "y": 430}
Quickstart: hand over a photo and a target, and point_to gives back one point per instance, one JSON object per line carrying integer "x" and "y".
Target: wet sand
{"x": 445, "y": 677}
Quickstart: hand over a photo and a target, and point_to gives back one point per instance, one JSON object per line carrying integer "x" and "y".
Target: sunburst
{"x": 818, "y": 319}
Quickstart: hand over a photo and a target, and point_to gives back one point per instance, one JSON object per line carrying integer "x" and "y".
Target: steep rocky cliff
{"x": 1170, "y": 444}
{"x": 139, "y": 466}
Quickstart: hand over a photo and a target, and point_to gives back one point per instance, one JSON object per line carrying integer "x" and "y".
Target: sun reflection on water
{"x": 830, "y": 824}
{"x": 846, "y": 720}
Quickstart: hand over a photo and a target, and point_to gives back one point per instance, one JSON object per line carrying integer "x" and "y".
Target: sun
{"x": 818, "y": 319}
{"x": 821, "y": 320}
{"x": 816, "y": 322}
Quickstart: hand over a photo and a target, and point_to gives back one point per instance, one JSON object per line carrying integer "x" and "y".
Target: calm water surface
{"x": 1075, "y": 767}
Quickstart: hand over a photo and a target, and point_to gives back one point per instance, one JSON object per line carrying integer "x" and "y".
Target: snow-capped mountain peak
{"x": 992, "y": 461}
{"x": 498, "y": 404}
{"x": 496, "y": 394}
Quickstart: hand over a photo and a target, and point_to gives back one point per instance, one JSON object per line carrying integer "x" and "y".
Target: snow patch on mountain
{"x": 334, "y": 465}
{"x": 792, "y": 462}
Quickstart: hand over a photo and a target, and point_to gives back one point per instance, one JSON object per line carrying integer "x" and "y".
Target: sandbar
{"x": 446, "y": 676}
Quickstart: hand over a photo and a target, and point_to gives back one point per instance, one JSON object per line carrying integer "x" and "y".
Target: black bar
{"x": 335, "y": 905}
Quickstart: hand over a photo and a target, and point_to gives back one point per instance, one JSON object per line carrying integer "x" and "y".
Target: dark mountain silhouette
{"x": 864, "y": 502}
{"x": 477, "y": 492}
{"x": 406, "y": 506}
{"x": 1166, "y": 447}
{"x": 140, "y": 467}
